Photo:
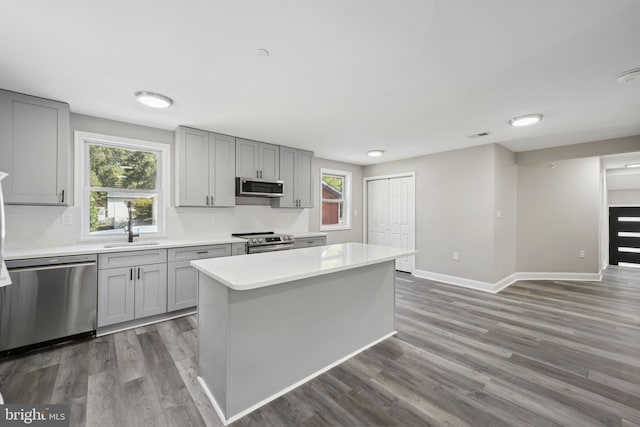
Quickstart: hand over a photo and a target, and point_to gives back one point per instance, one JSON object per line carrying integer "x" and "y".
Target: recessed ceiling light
{"x": 375, "y": 153}
{"x": 154, "y": 100}
{"x": 629, "y": 76}
{"x": 263, "y": 53}
{"x": 632, "y": 165}
{"x": 526, "y": 120}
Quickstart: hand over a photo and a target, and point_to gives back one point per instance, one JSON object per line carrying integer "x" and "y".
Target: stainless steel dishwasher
{"x": 50, "y": 300}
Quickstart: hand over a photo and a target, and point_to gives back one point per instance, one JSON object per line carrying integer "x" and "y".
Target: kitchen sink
{"x": 128, "y": 245}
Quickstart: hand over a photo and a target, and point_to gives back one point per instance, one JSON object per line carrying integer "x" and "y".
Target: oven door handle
{"x": 270, "y": 248}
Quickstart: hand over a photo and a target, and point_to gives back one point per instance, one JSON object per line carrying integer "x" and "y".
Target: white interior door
{"x": 391, "y": 216}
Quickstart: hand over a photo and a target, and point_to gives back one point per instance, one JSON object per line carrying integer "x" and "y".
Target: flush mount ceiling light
{"x": 632, "y": 165}
{"x": 153, "y": 100}
{"x": 263, "y": 53}
{"x": 629, "y": 76}
{"x": 526, "y": 120}
{"x": 375, "y": 153}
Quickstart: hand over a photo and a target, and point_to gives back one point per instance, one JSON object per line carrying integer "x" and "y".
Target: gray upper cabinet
{"x": 35, "y": 149}
{"x": 295, "y": 171}
{"x": 204, "y": 168}
{"x": 257, "y": 160}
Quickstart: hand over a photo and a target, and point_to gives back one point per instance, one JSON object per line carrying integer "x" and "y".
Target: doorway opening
{"x": 390, "y": 214}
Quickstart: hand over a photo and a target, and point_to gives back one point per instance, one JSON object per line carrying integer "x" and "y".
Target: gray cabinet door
{"x": 222, "y": 171}
{"x": 304, "y": 181}
{"x": 247, "y": 158}
{"x": 35, "y": 150}
{"x": 192, "y": 167}
{"x": 151, "y": 290}
{"x": 269, "y": 161}
{"x": 182, "y": 287}
{"x": 288, "y": 175}
{"x": 116, "y": 295}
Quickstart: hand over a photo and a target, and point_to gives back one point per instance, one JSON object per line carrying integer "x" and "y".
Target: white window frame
{"x": 81, "y": 179}
{"x": 347, "y": 200}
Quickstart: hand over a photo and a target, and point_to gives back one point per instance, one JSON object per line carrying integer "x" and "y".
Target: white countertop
{"x": 98, "y": 248}
{"x": 265, "y": 269}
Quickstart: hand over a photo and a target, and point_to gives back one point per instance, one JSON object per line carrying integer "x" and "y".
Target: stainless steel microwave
{"x": 259, "y": 187}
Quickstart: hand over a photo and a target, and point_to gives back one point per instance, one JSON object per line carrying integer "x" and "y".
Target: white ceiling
{"x": 344, "y": 76}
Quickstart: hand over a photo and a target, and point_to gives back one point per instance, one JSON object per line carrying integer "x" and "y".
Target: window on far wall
{"x": 336, "y": 199}
{"x": 117, "y": 172}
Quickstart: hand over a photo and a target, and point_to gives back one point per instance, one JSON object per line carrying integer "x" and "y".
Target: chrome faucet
{"x": 129, "y": 228}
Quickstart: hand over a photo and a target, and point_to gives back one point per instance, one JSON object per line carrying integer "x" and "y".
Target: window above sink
{"x": 113, "y": 171}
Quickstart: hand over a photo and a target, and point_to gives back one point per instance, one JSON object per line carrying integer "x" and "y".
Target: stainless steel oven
{"x": 266, "y": 242}
{"x": 50, "y": 300}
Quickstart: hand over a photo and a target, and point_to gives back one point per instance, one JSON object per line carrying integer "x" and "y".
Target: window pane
{"x": 332, "y": 213}
{"x": 120, "y": 168}
{"x": 333, "y": 184}
{"x": 108, "y": 212}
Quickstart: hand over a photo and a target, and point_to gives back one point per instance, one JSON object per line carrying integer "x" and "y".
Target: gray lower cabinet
{"x": 35, "y": 150}
{"x": 116, "y": 296}
{"x": 182, "y": 287}
{"x": 310, "y": 241}
{"x": 133, "y": 291}
{"x": 151, "y": 290}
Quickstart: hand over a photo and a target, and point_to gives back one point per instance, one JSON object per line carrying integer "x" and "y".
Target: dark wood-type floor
{"x": 537, "y": 354}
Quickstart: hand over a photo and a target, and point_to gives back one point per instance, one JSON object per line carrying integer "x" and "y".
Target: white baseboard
{"x": 297, "y": 384}
{"x": 507, "y": 281}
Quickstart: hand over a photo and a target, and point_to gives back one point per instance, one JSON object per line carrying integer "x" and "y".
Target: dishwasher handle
{"x": 50, "y": 267}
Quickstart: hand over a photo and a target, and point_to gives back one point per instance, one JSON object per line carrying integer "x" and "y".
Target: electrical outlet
{"x": 581, "y": 253}
{"x": 498, "y": 214}
{"x": 66, "y": 219}
{"x": 456, "y": 256}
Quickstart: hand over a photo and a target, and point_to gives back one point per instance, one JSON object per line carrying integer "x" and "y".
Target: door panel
{"x": 222, "y": 172}
{"x": 182, "y": 287}
{"x": 247, "y": 158}
{"x": 116, "y": 296}
{"x": 269, "y": 161}
{"x": 151, "y": 290}
{"x": 624, "y": 236}
{"x": 391, "y": 216}
{"x": 193, "y": 165}
{"x": 304, "y": 184}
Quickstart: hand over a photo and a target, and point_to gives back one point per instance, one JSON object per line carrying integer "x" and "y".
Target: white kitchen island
{"x": 269, "y": 322}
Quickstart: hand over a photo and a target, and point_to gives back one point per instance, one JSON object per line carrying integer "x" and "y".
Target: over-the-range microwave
{"x": 259, "y": 187}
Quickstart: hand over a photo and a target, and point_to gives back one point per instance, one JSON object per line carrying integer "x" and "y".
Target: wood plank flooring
{"x": 537, "y": 354}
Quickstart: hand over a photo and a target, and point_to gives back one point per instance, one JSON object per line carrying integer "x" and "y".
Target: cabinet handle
{"x": 212, "y": 200}
{"x": 258, "y": 173}
{"x": 202, "y": 252}
{"x": 62, "y": 197}
{"x": 131, "y": 273}
{"x": 139, "y": 268}
{"x": 207, "y": 200}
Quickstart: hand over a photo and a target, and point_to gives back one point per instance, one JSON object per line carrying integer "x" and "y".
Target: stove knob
{"x": 260, "y": 240}
{"x": 253, "y": 240}
{"x": 290, "y": 237}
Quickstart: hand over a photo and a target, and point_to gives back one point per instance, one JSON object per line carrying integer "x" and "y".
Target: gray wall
{"x": 505, "y": 188}
{"x": 624, "y": 197}
{"x": 454, "y": 210}
{"x": 558, "y": 213}
{"x": 575, "y": 151}
{"x": 340, "y": 236}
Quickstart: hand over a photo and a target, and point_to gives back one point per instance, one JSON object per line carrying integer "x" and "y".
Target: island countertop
{"x": 253, "y": 271}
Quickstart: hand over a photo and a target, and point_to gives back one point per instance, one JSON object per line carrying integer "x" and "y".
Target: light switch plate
{"x": 456, "y": 256}
{"x": 581, "y": 253}
{"x": 499, "y": 214}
